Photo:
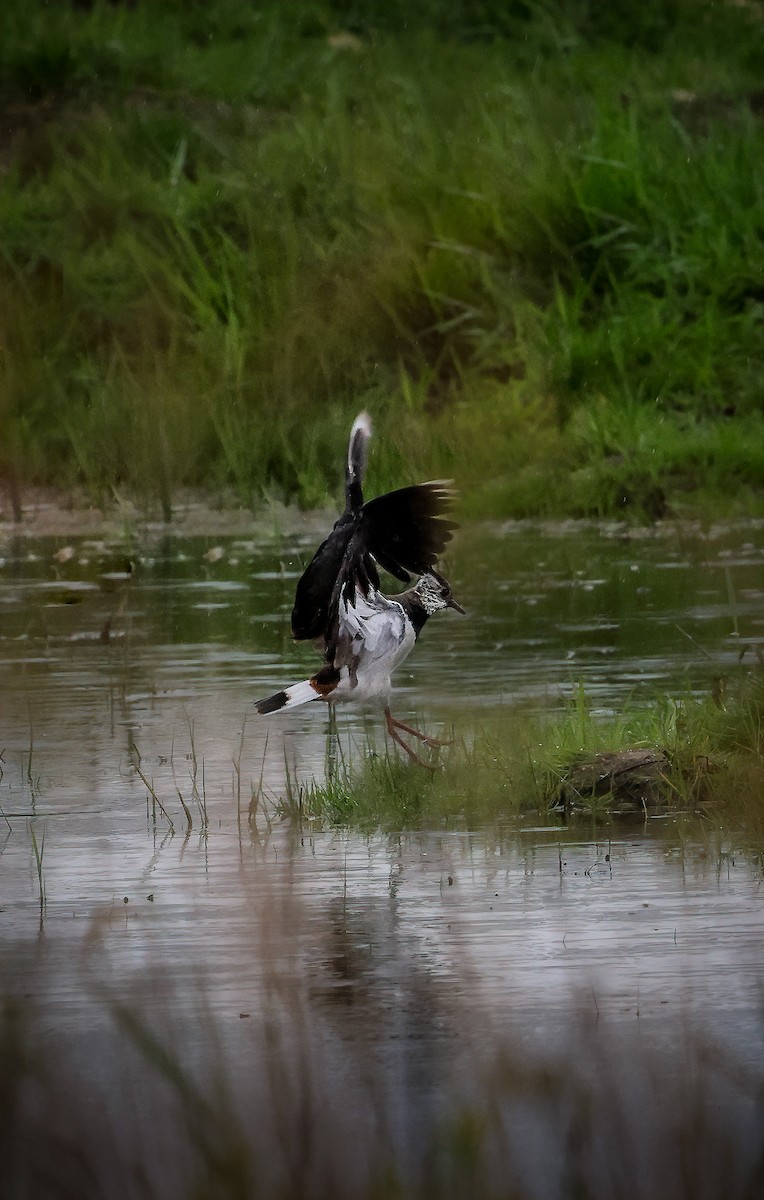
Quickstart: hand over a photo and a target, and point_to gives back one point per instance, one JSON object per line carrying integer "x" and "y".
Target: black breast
{"x": 413, "y": 610}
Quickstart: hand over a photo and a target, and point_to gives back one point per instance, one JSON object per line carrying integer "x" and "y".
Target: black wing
{"x": 314, "y": 591}
{"x": 405, "y": 532}
{"x": 310, "y": 615}
{"x": 408, "y": 530}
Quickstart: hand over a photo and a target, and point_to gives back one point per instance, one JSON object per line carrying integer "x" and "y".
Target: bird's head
{"x": 434, "y": 593}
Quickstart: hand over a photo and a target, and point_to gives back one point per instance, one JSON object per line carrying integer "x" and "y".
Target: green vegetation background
{"x": 526, "y": 235}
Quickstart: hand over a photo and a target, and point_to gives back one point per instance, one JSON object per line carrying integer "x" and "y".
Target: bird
{"x": 404, "y": 531}
{"x": 364, "y": 633}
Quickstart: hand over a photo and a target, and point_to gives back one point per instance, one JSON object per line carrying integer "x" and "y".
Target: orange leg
{"x": 423, "y": 737}
{"x": 392, "y": 728}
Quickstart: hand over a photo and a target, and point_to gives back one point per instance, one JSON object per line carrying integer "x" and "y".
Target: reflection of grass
{"x": 199, "y": 796}
{"x": 538, "y": 261}
{"x": 38, "y": 849}
{"x": 151, "y": 794}
{"x": 701, "y": 755}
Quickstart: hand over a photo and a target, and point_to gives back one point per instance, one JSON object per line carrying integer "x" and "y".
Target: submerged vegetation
{"x": 703, "y": 757}
{"x": 526, "y": 236}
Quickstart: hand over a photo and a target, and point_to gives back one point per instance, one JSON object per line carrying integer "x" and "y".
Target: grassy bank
{"x": 697, "y": 757}
{"x": 527, "y": 237}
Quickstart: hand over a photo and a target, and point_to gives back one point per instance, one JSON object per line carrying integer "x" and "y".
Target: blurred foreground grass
{"x": 618, "y": 1113}
{"x": 526, "y": 236}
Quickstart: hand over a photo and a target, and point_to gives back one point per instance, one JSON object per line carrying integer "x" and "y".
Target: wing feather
{"x": 372, "y": 629}
{"x": 405, "y": 532}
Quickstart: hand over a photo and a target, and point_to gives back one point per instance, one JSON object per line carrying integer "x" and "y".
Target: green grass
{"x": 537, "y": 261}
{"x": 710, "y": 754}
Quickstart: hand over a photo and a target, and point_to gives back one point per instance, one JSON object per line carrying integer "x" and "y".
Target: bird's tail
{"x": 298, "y": 693}
{"x": 358, "y": 454}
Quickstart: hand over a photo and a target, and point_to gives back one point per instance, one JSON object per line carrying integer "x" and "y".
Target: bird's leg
{"x": 391, "y": 724}
{"x": 333, "y": 750}
{"x": 423, "y": 737}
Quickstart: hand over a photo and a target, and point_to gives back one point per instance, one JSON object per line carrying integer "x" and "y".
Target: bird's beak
{"x": 455, "y": 604}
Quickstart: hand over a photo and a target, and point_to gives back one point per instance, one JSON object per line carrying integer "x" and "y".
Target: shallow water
{"x": 413, "y": 946}
{"x": 201, "y": 630}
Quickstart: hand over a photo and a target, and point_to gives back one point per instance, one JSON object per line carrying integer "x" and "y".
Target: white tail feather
{"x": 298, "y": 693}
{"x": 358, "y": 444}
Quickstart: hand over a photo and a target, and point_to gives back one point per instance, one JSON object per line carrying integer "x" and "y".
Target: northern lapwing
{"x": 365, "y": 634}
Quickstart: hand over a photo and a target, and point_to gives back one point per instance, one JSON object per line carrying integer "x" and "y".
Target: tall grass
{"x": 537, "y": 260}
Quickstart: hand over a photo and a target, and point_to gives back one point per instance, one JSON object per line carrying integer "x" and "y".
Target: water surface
{"x": 141, "y": 654}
